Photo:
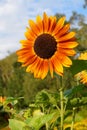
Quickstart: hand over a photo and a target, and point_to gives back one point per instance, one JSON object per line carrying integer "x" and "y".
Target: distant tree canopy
{"x": 85, "y": 4}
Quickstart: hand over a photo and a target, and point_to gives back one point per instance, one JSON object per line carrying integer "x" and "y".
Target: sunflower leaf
{"x": 38, "y": 121}
{"x": 16, "y": 124}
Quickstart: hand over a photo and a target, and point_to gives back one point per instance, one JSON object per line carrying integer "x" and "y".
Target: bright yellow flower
{"x": 83, "y": 56}
{"x": 2, "y": 99}
{"x": 38, "y": 113}
{"x": 82, "y": 76}
{"x": 47, "y": 46}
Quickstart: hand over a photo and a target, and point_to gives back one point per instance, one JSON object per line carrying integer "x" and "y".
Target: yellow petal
{"x": 58, "y": 26}
{"x": 38, "y": 72}
{"x": 63, "y": 31}
{"x": 32, "y": 68}
{"x": 68, "y": 44}
{"x": 83, "y": 56}
{"x": 39, "y": 24}
{"x": 22, "y": 57}
{"x": 32, "y": 34}
{"x": 57, "y": 66}
{"x": 45, "y": 22}
{"x": 68, "y": 52}
{"x": 29, "y": 36}
{"x": 38, "y": 19}
{"x": 22, "y": 51}
{"x": 45, "y": 69}
{"x": 34, "y": 27}
{"x": 29, "y": 61}
{"x": 66, "y": 37}
{"x": 66, "y": 61}
{"x": 52, "y": 24}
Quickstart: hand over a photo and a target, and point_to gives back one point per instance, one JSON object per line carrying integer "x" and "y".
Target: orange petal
{"x": 34, "y": 27}
{"x": 25, "y": 58}
{"x": 29, "y": 36}
{"x": 66, "y": 61}
{"x": 68, "y": 52}
{"x": 84, "y": 79}
{"x": 58, "y": 26}
{"x": 57, "y": 66}
{"x": 26, "y": 43}
{"x": 45, "y": 69}
{"x": 2, "y": 99}
{"x": 39, "y": 24}
{"x": 39, "y": 69}
{"x": 52, "y": 23}
{"x": 23, "y": 51}
{"x": 45, "y": 22}
{"x": 38, "y": 19}
{"x": 29, "y": 61}
{"x": 32, "y": 68}
{"x": 66, "y": 37}
{"x": 63, "y": 30}
{"x": 68, "y": 44}
{"x": 32, "y": 34}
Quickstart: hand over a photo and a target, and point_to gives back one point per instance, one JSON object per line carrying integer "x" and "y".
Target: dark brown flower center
{"x": 45, "y": 46}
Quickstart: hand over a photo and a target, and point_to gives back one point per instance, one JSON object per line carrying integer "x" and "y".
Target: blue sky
{"x": 14, "y": 15}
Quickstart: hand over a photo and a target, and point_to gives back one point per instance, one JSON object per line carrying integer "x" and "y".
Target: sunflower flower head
{"x": 47, "y": 46}
{"x": 82, "y": 77}
{"x": 2, "y": 99}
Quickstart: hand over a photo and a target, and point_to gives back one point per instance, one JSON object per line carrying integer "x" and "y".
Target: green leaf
{"x": 76, "y": 102}
{"x": 42, "y": 96}
{"x": 38, "y": 121}
{"x": 80, "y": 89}
{"x": 78, "y": 65}
{"x": 16, "y": 124}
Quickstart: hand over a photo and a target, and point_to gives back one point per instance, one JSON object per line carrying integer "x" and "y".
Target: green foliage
{"x": 79, "y": 90}
{"x": 16, "y": 124}
{"x": 78, "y": 65}
{"x": 37, "y": 122}
{"x": 45, "y": 110}
{"x": 33, "y": 123}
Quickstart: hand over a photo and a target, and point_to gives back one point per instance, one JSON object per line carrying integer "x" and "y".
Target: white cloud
{"x": 12, "y": 23}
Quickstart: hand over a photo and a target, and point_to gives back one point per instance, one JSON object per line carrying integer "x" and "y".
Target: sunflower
{"x": 82, "y": 76}
{"x": 83, "y": 56}
{"x": 47, "y": 46}
{"x": 2, "y": 99}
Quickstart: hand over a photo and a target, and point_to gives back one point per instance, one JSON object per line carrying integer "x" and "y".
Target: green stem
{"x": 61, "y": 103}
{"x": 62, "y": 108}
{"x": 46, "y": 126}
{"x": 73, "y": 119}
